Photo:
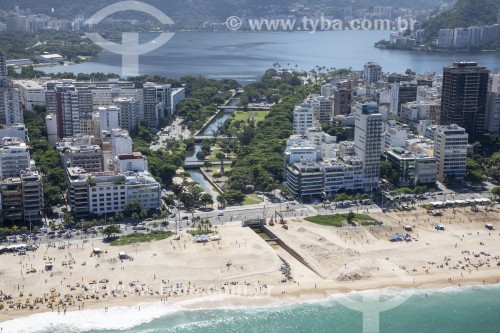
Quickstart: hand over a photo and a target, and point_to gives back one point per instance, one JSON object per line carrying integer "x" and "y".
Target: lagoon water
{"x": 244, "y": 56}
{"x": 451, "y": 310}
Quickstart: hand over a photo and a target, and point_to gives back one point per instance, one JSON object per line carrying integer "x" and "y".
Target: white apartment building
{"x": 327, "y": 90}
{"x": 121, "y": 142}
{"x": 110, "y": 192}
{"x": 31, "y": 93}
{"x": 129, "y": 112}
{"x": 461, "y": 38}
{"x": 144, "y": 189}
{"x": 450, "y": 147}
{"x": 305, "y": 115}
{"x": 10, "y": 106}
{"x": 445, "y": 38}
{"x": 413, "y": 168}
{"x": 109, "y": 118}
{"x": 105, "y": 96}
{"x": 425, "y": 93}
{"x": 135, "y": 162}
{"x": 307, "y": 178}
{"x": 178, "y": 95}
{"x": 395, "y": 137}
{"x": 14, "y": 157}
{"x": 17, "y": 131}
{"x": 413, "y": 112}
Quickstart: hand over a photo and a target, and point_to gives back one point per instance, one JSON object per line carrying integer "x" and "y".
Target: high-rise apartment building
{"x": 372, "y": 73}
{"x": 149, "y": 105}
{"x": 305, "y": 116}
{"x": 14, "y": 157}
{"x": 368, "y": 138}
{"x": 109, "y": 118}
{"x": 402, "y": 93}
{"x": 450, "y": 149}
{"x": 129, "y": 112}
{"x": 463, "y": 102}
{"x": 493, "y": 113}
{"x": 10, "y": 104}
{"x": 342, "y": 100}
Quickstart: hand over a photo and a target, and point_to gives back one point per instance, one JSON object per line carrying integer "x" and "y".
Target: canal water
{"x": 214, "y": 125}
{"x": 198, "y": 177}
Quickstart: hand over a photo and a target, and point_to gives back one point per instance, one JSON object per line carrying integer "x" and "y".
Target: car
{"x": 185, "y": 217}
{"x": 220, "y": 214}
{"x": 172, "y": 215}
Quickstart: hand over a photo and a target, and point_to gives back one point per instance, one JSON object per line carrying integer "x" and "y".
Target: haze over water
{"x": 246, "y": 55}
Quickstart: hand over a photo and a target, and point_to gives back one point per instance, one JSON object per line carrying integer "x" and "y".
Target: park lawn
{"x": 141, "y": 238}
{"x": 340, "y": 220}
{"x": 251, "y": 199}
{"x": 216, "y": 149}
{"x": 245, "y": 115}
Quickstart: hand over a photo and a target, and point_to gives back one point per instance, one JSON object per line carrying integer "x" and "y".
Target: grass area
{"x": 200, "y": 232}
{"x": 141, "y": 238}
{"x": 251, "y": 199}
{"x": 245, "y": 115}
{"x": 340, "y": 220}
{"x": 216, "y": 149}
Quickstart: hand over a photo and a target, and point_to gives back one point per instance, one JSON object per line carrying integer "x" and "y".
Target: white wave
{"x": 116, "y": 318}
{"x": 122, "y": 318}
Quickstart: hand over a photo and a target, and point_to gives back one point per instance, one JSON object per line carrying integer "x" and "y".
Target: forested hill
{"x": 202, "y": 10}
{"x": 464, "y": 14}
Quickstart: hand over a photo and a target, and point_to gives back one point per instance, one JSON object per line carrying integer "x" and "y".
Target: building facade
{"x": 450, "y": 148}
{"x": 368, "y": 138}
{"x": 463, "y": 102}
{"x": 372, "y": 73}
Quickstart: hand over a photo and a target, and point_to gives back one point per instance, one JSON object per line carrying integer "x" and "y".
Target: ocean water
{"x": 450, "y": 310}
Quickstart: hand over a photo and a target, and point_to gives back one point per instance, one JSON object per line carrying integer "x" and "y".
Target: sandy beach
{"x": 245, "y": 270}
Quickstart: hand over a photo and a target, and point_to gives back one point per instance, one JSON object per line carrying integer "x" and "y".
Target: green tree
{"x": 496, "y": 191}
{"x": 119, "y": 216}
{"x": 206, "y": 199}
{"x": 350, "y": 217}
{"x": 111, "y": 230}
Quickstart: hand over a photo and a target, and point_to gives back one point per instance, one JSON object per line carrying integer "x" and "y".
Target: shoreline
{"x": 153, "y": 309}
